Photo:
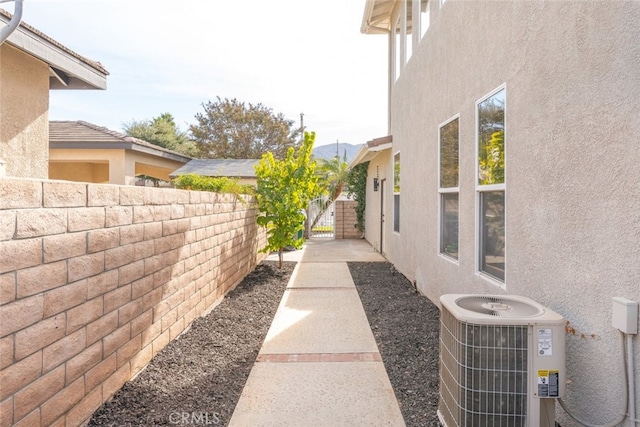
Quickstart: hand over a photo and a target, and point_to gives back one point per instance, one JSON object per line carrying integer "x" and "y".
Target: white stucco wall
{"x": 24, "y": 122}
{"x": 572, "y": 75}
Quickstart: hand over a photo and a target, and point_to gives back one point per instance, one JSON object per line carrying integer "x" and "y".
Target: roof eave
{"x": 371, "y": 149}
{"x": 79, "y": 74}
{"x": 373, "y": 23}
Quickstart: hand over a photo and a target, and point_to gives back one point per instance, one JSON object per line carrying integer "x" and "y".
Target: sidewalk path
{"x": 319, "y": 364}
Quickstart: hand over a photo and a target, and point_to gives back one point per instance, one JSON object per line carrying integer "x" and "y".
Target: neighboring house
{"x": 513, "y": 165}
{"x": 31, "y": 64}
{"x": 241, "y": 169}
{"x": 81, "y": 151}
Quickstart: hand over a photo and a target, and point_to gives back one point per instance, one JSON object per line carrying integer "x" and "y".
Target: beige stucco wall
{"x": 572, "y": 167}
{"x": 379, "y": 167}
{"x": 87, "y": 165}
{"x": 96, "y": 172}
{"x": 24, "y": 122}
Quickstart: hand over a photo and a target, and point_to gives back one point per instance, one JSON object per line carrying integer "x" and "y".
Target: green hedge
{"x": 197, "y": 182}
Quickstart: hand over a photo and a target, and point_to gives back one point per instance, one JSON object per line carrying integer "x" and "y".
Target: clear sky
{"x": 293, "y": 56}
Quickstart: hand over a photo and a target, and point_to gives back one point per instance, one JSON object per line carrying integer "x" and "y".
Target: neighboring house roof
{"x": 67, "y": 69}
{"x": 371, "y": 149}
{"x": 377, "y": 17}
{"x": 233, "y": 168}
{"x": 80, "y": 134}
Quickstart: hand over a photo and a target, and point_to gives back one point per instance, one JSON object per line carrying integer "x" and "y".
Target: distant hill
{"x": 329, "y": 151}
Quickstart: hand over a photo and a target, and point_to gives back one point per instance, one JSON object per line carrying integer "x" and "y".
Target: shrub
{"x": 223, "y": 184}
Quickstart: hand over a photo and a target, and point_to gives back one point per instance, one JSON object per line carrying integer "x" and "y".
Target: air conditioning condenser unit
{"x": 502, "y": 361}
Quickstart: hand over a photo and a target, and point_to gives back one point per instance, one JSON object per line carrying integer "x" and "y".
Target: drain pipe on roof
{"x": 15, "y": 20}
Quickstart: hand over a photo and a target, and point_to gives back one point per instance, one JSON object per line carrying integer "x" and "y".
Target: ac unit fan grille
{"x": 483, "y": 373}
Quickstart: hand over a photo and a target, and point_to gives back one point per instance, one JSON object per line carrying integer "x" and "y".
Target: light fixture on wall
{"x": 375, "y": 184}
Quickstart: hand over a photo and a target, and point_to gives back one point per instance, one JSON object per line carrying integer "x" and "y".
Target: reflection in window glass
{"x": 449, "y": 224}
{"x": 396, "y": 213}
{"x": 397, "y": 48}
{"x": 396, "y": 192}
{"x": 449, "y": 142}
{"x": 492, "y": 240}
{"x": 425, "y": 18}
{"x": 449, "y": 155}
{"x": 491, "y": 140}
{"x": 491, "y": 184}
{"x": 408, "y": 38}
{"x": 396, "y": 173}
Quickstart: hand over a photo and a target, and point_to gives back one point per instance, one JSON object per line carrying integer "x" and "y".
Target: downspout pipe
{"x": 15, "y": 20}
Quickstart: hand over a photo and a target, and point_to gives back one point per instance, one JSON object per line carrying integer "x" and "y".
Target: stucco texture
{"x": 572, "y": 167}
{"x": 24, "y": 122}
{"x": 113, "y": 166}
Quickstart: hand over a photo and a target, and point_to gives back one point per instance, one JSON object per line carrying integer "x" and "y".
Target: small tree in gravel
{"x": 284, "y": 189}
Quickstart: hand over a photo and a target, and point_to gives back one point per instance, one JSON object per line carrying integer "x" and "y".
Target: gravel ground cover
{"x": 198, "y": 378}
{"x": 406, "y": 327}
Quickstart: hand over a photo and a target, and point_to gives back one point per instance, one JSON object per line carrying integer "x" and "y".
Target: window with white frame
{"x": 408, "y": 6}
{"x": 396, "y": 192}
{"x": 490, "y": 184}
{"x": 449, "y": 187}
{"x": 425, "y": 17}
{"x": 397, "y": 48}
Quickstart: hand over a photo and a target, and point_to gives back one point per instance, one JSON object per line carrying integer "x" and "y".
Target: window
{"x": 396, "y": 192}
{"x": 397, "y": 49}
{"x": 448, "y": 188}
{"x": 425, "y": 18}
{"x": 491, "y": 184}
{"x": 408, "y": 27}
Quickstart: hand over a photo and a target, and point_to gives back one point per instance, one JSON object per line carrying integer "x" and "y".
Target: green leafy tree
{"x": 333, "y": 175}
{"x": 163, "y": 132}
{"x": 230, "y": 129}
{"x": 284, "y": 189}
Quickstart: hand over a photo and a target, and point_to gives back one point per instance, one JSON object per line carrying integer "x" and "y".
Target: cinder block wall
{"x": 346, "y": 220}
{"x": 97, "y": 279}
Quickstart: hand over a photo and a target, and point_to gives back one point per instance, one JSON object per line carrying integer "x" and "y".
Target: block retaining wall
{"x": 346, "y": 220}
{"x": 97, "y": 279}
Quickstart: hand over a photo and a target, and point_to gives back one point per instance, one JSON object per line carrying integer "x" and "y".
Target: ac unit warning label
{"x": 548, "y": 383}
{"x": 545, "y": 342}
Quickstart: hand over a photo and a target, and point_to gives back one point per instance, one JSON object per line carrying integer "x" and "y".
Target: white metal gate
{"x": 321, "y": 219}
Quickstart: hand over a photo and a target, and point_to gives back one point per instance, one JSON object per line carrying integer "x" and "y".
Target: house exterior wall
{"x": 97, "y": 279}
{"x": 95, "y": 172}
{"x": 570, "y": 70}
{"x": 380, "y": 168}
{"x": 24, "y": 122}
{"x": 123, "y": 165}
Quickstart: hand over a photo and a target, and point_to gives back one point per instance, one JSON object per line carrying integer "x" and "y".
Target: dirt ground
{"x": 198, "y": 378}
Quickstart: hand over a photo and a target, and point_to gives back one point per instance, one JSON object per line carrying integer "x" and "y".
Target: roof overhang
{"x": 81, "y": 135}
{"x": 377, "y": 16}
{"x": 371, "y": 149}
{"x": 119, "y": 145}
{"x": 67, "y": 69}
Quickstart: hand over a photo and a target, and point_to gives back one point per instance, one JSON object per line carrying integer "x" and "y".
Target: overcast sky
{"x": 293, "y": 56}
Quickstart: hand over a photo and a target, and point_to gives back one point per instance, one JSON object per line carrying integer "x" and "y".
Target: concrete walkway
{"x": 319, "y": 364}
